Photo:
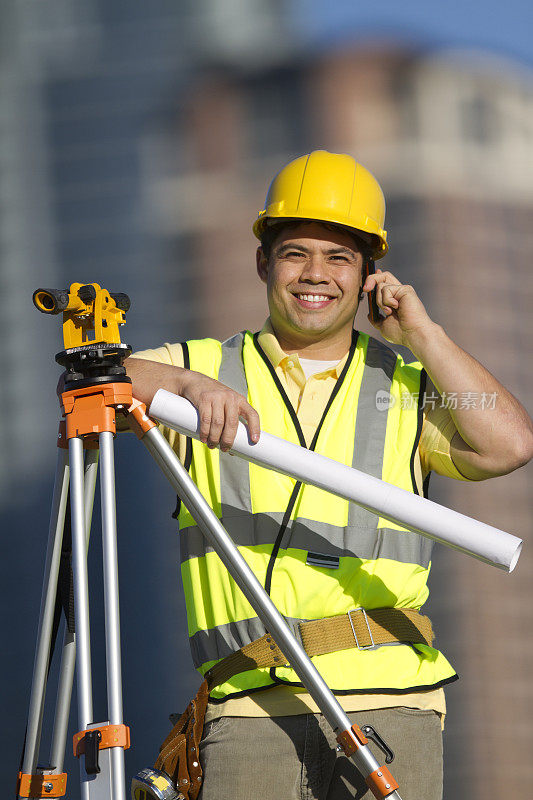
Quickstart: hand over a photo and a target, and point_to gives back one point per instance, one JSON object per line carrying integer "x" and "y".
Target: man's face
{"x": 313, "y": 278}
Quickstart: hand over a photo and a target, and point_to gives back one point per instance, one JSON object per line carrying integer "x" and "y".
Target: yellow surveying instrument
{"x": 95, "y": 388}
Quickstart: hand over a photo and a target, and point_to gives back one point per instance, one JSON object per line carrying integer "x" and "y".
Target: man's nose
{"x": 315, "y": 269}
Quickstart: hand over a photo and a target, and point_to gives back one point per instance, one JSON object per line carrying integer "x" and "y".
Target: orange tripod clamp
{"x": 41, "y": 785}
{"x": 139, "y": 421}
{"x": 110, "y": 736}
{"x": 90, "y": 410}
{"x": 91, "y": 741}
{"x": 380, "y": 782}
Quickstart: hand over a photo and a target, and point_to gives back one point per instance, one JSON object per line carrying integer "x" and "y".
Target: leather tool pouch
{"x": 179, "y": 755}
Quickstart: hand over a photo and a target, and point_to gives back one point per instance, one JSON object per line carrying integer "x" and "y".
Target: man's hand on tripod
{"x": 218, "y": 406}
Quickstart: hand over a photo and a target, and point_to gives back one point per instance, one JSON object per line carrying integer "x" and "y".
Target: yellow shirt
{"x": 309, "y": 398}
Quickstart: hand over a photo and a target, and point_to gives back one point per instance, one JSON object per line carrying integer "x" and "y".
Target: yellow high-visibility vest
{"x": 317, "y": 555}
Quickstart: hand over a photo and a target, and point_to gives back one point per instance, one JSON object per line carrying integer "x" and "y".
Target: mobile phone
{"x": 373, "y": 308}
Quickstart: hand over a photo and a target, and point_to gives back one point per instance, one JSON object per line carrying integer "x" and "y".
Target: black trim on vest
{"x": 420, "y": 413}
{"x": 188, "y": 445}
{"x": 425, "y": 485}
{"x": 279, "y": 682}
{"x": 301, "y": 439}
{"x": 279, "y": 537}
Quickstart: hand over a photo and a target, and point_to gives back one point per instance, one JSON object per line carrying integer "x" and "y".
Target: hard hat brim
{"x": 375, "y": 241}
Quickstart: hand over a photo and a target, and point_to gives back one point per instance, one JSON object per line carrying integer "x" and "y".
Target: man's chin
{"x": 313, "y": 332}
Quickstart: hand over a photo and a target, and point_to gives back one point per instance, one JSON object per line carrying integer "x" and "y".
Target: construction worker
{"x": 309, "y": 377}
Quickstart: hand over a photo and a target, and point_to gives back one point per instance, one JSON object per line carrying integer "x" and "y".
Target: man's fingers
{"x": 205, "y": 413}
{"x": 251, "y": 417}
{"x": 218, "y": 418}
{"x": 219, "y": 409}
{"x": 231, "y": 422}
{"x": 379, "y": 294}
{"x": 379, "y": 278}
{"x": 388, "y": 277}
{"x": 387, "y": 296}
{"x": 248, "y": 414}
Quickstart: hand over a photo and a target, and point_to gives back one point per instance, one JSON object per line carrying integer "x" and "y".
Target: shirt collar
{"x": 269, "y": 343}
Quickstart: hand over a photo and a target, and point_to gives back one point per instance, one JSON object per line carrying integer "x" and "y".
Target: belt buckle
{"x": 359, "y": 646}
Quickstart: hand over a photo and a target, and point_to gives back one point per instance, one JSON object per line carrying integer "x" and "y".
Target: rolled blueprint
{"x": 416, "y": 513}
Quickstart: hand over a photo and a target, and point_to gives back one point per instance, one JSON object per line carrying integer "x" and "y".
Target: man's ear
{"x": 261, "y": 264}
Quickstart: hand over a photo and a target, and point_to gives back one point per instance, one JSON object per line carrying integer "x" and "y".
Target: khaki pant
{"x": 294, "y": 757}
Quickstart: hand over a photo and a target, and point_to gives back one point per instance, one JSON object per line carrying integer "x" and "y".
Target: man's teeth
{"x": 314, "y": 298}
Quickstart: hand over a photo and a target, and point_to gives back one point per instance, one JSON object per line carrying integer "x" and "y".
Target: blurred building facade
{"x": 138, "y": 142}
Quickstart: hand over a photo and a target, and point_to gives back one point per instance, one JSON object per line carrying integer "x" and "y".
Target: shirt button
{"x": 290, "y": 363}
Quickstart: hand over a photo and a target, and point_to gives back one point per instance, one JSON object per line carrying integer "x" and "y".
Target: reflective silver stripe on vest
{"x": 219, "y": 642}
{"x": 368, "y": 455}
{"x": 315, "y": 537}
{"x": 246, "y": 530}
{"x": 371, "y": 425}
{"x": 234, "y": 472}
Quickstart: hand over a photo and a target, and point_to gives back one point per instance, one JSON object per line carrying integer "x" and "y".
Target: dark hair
{"x": 271, "y": 232}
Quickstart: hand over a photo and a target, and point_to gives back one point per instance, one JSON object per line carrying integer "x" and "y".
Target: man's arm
{"x": 219, "y": 407}
{"x": 493, "y": 437}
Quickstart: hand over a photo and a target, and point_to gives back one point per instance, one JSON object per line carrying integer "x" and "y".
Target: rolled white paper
{"x": 416, "y": 513}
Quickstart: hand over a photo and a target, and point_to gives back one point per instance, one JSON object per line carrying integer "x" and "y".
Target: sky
{"x": 504, "y": 28}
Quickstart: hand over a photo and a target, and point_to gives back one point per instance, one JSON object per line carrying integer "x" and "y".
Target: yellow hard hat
{"x": 327, "y": 187}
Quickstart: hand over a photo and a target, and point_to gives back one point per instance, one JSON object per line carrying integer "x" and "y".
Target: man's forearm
{"x": 490, "y": 421}
{"x": 219, "y": 407}
{"x": 149, "y": 376}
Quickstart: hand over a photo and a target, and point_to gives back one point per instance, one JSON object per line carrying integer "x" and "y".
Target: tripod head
{"x": 88, "y": 309}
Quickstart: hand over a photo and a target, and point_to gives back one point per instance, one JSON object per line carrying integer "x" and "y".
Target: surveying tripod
{"x": 96, "y": 387}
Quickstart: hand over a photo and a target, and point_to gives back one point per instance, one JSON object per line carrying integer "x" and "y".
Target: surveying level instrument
{"x": 95, "y": 388}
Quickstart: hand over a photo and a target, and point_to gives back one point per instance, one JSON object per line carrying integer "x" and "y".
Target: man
{"x": 317, "y": 382}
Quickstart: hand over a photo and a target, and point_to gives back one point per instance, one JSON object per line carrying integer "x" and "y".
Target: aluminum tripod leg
{"x": 48, "y": 601}
{"x": 238, "y": 568}
{"x": 68, "y": 660}
{"x": 111, "y": 604}
{"x": 46, "y": 617}
{"x": 81, "y": 599}
{"x": 109, "y": 782}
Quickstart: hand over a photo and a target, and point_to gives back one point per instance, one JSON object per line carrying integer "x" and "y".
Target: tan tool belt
{"x": 179, "y": 753}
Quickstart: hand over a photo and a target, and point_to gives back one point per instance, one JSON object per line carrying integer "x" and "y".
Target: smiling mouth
{"x": 313, "y": 300}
